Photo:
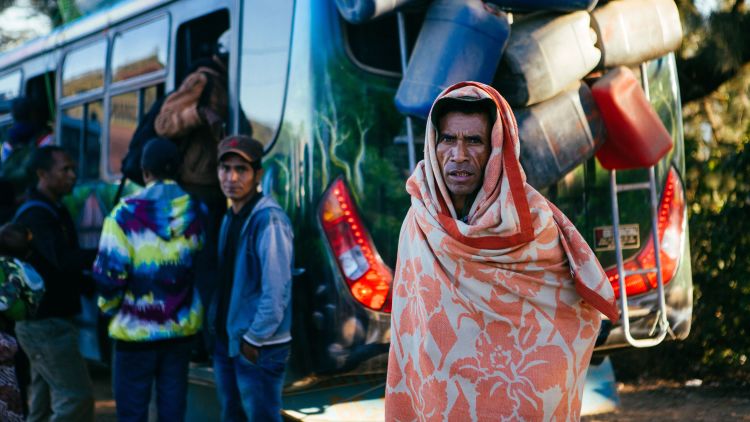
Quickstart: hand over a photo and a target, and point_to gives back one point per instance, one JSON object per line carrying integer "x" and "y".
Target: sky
{"x": 705, "y": 7}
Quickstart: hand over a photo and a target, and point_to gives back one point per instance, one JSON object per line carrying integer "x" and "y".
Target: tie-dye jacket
{"x": 144, "y": 269}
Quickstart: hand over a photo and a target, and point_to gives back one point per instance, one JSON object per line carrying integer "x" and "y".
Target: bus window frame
{"x": 136, "y": 84}
{"x": 76, "y": 47}
{"x": 146, "y": 77}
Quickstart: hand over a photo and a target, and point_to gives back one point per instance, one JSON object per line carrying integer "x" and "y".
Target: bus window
{"x": 264, "y": 61}
{"x": 196, "y": 39}
{"x": 10, "y": 87}
{"x": 373, "y": 45}
{"x": 91, "y": 146}
{"x": 83, "y": 69}
{"x": 41, "y": 90}
{"x": 126, "y": 111}
{"x": 123, "y": 120}
{"x": 80, "y": 134}
{"x": 150, "y": 55}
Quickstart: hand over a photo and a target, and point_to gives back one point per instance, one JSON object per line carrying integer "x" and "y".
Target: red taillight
{"x": 671, "y": 229}
{"x": 367, "y": 276}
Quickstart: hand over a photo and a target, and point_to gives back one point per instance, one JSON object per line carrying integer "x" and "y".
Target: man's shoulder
{"x": 268, "y": 211}
{"x": 36, "y": 211}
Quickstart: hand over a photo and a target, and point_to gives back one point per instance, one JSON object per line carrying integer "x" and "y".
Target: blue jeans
{"x": 135, "y": 371}
{"x": 60, "y": 387}
{"x": 247, "y": 390}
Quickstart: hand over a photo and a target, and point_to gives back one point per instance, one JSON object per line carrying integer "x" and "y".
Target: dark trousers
{"x": 61, "y": 389}
{"x": 136, "y": 369}
{"x": 247, "y": 390}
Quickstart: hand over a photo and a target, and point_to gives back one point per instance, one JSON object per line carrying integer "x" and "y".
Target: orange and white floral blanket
{"x": 496, "y": 318}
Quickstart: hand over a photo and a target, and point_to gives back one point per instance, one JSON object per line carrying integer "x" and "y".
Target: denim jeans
{"x": 135, "y": 371}
{"x": 247, "y": 390}
{"x": 60, "y": 388}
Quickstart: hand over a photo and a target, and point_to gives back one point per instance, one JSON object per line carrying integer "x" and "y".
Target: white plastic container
{"x": 633, "y": 31}
{"x": 546, "y": 54}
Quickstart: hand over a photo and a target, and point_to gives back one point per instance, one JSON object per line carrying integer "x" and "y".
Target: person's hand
{"x": 249, "y": 351}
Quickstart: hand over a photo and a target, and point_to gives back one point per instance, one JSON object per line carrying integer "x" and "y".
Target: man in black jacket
{"x": 60, "y": 385}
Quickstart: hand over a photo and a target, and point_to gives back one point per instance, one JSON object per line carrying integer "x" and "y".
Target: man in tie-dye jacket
{"x": 145, "y": 279}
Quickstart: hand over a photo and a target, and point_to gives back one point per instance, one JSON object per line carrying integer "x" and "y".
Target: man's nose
{"x": 459, "y": 151}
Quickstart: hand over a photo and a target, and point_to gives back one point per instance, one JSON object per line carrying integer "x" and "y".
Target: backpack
{"x": 193, "y": 117}
{"x": 189, "y": 116}
{"x": 21, "y": 289}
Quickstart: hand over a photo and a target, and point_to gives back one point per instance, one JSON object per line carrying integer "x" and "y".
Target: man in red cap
{"x": 251, "y": 312}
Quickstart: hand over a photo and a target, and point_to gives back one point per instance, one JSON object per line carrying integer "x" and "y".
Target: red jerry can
{"x": 636, "y": 137}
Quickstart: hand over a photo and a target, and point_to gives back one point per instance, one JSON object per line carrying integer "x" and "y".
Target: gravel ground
{"x": 645, "y": 401}
{"x": 670, "y": 401}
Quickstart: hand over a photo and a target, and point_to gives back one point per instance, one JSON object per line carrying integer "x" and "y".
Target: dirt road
{"x": 669, "y": 401}
{"x": 647, "y": 401}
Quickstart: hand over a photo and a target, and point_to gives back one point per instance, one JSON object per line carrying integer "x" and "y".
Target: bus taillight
{"x": 671, "y": 229}
{"x": 367, "y": 276}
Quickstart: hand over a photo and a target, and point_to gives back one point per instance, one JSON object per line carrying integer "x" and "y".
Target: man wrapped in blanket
{"x": 497, "y": 297}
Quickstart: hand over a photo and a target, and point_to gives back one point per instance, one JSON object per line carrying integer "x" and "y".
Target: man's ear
{"x": 40, "y": 174}
{"x": 259, "y": 178}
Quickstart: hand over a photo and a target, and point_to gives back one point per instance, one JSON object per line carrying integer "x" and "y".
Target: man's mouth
{"x": 460, "y": 176}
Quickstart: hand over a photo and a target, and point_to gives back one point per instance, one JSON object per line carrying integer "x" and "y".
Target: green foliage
{"x": 719, "y": 187}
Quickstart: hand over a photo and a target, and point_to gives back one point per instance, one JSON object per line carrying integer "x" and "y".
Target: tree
{"x": 715, "y": 48}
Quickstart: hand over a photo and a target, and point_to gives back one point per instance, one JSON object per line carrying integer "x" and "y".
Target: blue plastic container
{"x": 358, "y": 11}
{"x": 523, "y": 6}
{"x": 460, "y": 40}
{"x": 559, "y": 134}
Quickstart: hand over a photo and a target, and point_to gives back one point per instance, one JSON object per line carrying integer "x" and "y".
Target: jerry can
{"x": 460, "y": 40}
{"x": 633, "y": 31}
{"x": 546, "y": 54}
{"x": 559, "y": 134}
{"x": 358, "y": 11}
{"x": 636, "y": 137}
{"x": 526, "y": 6}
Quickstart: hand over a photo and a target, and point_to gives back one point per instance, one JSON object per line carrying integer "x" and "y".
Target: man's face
{"x": 239, "y": 181}
{"x": 463, "y": 148}
{"x": 61, "y": 177}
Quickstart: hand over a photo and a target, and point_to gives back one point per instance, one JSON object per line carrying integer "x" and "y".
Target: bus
{"x": 319, "y": 93}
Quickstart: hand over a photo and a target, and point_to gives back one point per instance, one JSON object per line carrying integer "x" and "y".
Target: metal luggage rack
{"x": 661, "y": 327}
